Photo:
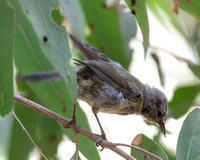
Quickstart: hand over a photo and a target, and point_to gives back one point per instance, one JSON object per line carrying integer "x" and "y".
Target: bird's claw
{"x": 101, "y": 137}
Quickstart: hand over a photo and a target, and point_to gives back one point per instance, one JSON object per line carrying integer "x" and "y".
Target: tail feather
{"x": 89, "y": 51}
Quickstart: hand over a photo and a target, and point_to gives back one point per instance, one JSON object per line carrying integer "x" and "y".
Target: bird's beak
{"x": 162, "y": 126}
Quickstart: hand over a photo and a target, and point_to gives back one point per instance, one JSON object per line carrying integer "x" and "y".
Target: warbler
{"x": 109, "y": 88}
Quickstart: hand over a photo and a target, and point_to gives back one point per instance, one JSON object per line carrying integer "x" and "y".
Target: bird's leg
{"x": 73, "y": 120}
{"x": 103, "y": 135}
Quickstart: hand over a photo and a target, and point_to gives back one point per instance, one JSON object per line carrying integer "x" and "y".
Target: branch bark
{"x": 78, "y": 129}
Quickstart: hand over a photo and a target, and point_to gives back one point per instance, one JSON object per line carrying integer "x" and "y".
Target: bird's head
{"x": 155, "y": 108}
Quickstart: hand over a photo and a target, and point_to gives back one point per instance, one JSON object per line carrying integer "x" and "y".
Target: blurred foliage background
{"x": 33, "y": 38}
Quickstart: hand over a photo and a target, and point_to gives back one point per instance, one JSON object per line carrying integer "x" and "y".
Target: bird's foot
{"x": 101, "y": 137}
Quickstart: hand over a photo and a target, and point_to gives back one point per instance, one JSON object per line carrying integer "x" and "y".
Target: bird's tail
{"x": 88, "y": 51}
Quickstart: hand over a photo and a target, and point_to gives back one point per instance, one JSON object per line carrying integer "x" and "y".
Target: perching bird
{"x": 107, "y": 87}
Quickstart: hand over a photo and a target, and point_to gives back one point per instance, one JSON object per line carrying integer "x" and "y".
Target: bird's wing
{"x": 116, "y": 76}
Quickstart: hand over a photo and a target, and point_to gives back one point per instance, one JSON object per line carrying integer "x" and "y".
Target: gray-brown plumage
{"x": 107, "y": 87}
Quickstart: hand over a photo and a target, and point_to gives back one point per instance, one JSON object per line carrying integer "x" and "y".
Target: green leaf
{"x": 73, "y": 13}
{"x": 90, "y": 152}
{"x": 171, "y": 155}
{"x": 163, "y": 11}
{"x": 5, "y": 129}
{"x": 45, "y": 132}
{"x": 160, "y": 72}
{"x": 183, "y": 99}
{"x": 56, "y": 47}
{"x": 188, "y": 145}
{"x": 195, "y": 68}
{"x": 49, "y": 135}
{"x": 138, "y": 8}
{"x": 128, "y": 28}
{"x": 53, "y": 95}
{"x": 146, "y": 143}
{"x": 20, "y": 144}
{"x": 191, "y": 6}
{"x": 103, "y": 24}
{"x": 7, "y": 27}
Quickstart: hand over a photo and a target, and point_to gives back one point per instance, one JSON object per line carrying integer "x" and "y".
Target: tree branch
{"x": 104, "y": 143}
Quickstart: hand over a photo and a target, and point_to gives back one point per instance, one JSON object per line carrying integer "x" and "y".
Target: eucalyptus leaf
{"x": 20, "y": 145}
{"x": 49, "y": 135}
{"x": 73, "y": 13}
{"x": 54, "y": 95}
{"x": 56, "y": 47}
{"x": 128, "y": 28}
{"x": 195, "y": 69}
{"x": 7, "y": 29}
{"x": 192, "y": 7}
{"x": 138, "y": 8}
{"x": 146, "y": 143}
{"x": 183, "y": 99}
{"x": 163, "y": 12}
{"x": 188, "y": 146}
{"x": 104, "y": 32}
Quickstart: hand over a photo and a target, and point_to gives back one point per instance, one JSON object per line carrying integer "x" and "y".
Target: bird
{"x": 109, "y": 88}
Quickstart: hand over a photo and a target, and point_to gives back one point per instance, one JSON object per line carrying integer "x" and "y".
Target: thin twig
{"x": 75, "y": 134}
{"x": 104, "y": 143}
{"x": 139, "y": 149}
{"x": 24, "y": 129}
{"x": 169, "y": 52}
{"x": 76, "y": 141}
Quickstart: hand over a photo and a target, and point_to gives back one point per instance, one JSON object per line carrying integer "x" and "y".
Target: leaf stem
{"x": 139, "y": 149}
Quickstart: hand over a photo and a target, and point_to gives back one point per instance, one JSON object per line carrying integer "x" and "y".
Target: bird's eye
{"x": 137, "y": 96}
{"x": 159, "y": 114}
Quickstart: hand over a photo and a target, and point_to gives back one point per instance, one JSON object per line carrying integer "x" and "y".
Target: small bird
{"x": 107, "y": 87}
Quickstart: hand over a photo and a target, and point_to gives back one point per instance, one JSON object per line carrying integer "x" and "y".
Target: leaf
{"x": 146, "y": 143}
{"x": 163, "y": 11}
{"x": 53, "y": 95}
{"x": 191, "y": 6}
{"x": 170, "y": 154}
{"x": 128, "y": 28}
{"x": 49, "y": 135}
{"x": 90, "y": 152}
{"x": 138, "y": 8}
{"x": 45, "y": 132}
{"x": 20, "y": 144}
{"x": 195, "y": 68}
{"x": 183, "y": 99}
{"x": 104, "y": 30}
{"x": 7, "y": 28}
{"x": 188, "y": 145}
{"x": 160, "y": 72}
{"x": 56, "y": 49}
{"x": 73, "y": 13}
